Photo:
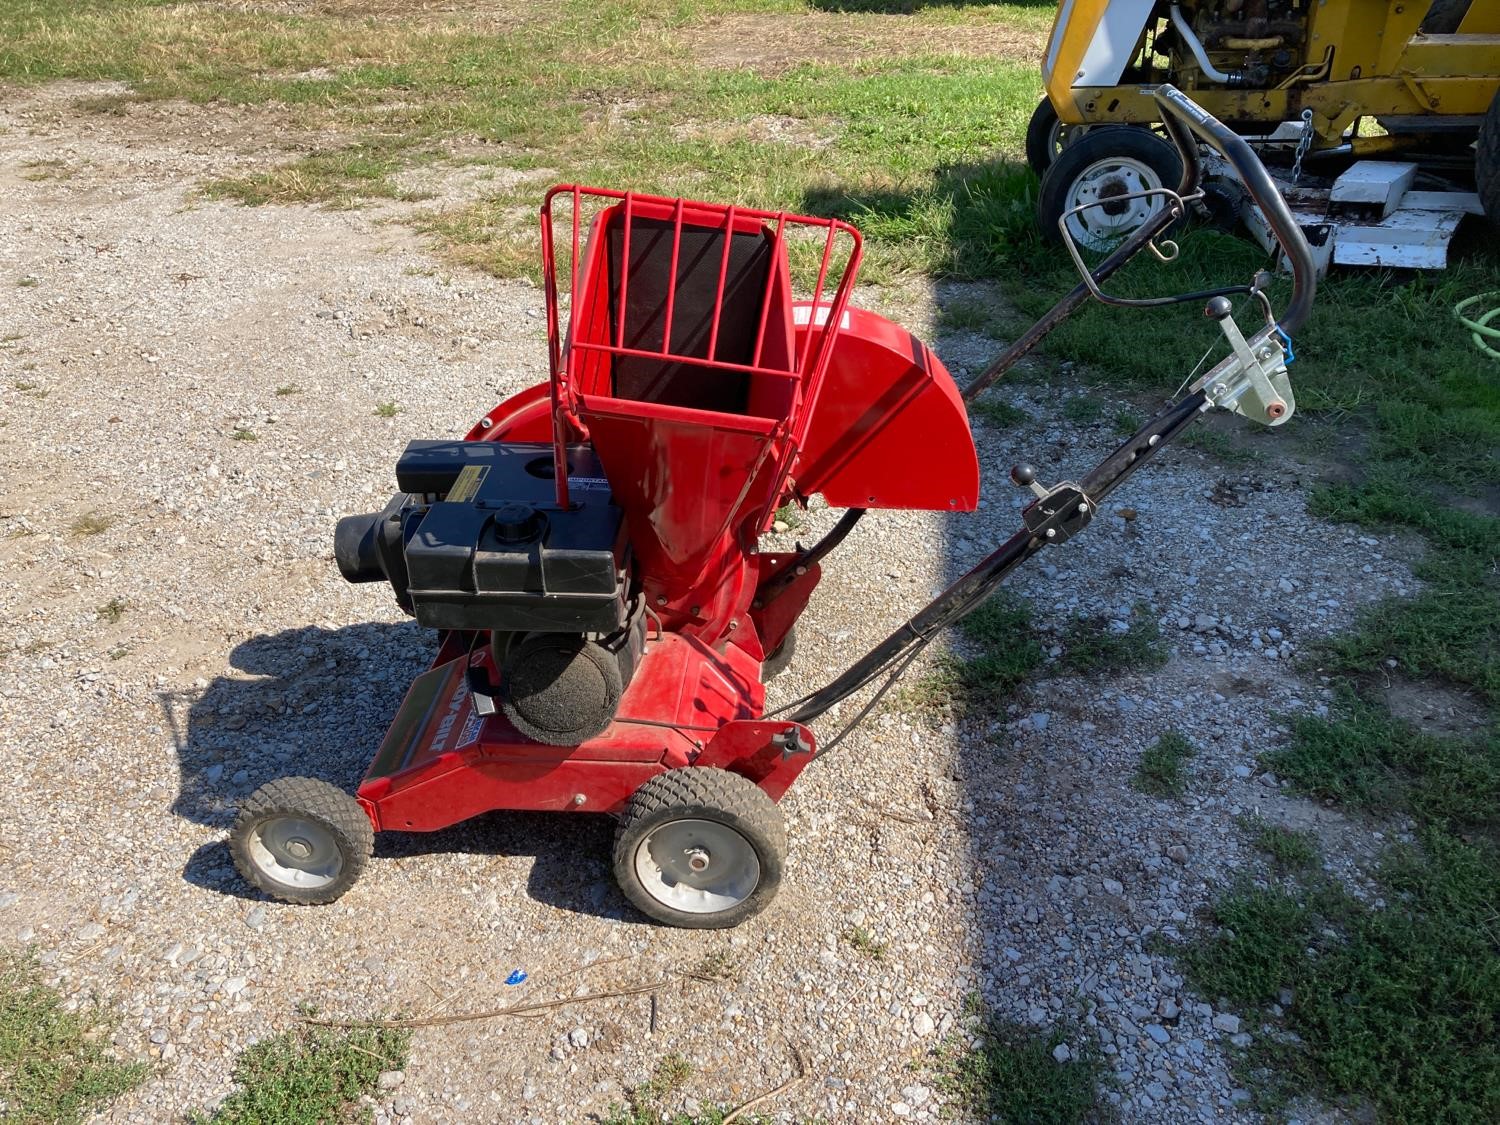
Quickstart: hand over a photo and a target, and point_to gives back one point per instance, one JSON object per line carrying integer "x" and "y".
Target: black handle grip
{"x": 1189, "y": 123}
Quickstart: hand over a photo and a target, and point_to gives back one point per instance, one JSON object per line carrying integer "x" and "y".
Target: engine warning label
{"x": 466, "y": 484}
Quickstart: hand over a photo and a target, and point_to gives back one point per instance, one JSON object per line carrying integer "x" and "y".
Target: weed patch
{"x": 995, "y": 412}
{"x": 1396, "y": 1005}
{"x": 1288, "y": 848}
{"x": 1160, "y": 770}
{"x": 92, "y": 523}
{"x": 309, "y": 1074}
{"x": 53, "y": 1066}
{"x": 1014, "y": 1077}
{"x": 867, "y": 943}
{"x": 1362, "y": 757}
{"x": 386, "y": 410}
{"x": 1092, "y": 645}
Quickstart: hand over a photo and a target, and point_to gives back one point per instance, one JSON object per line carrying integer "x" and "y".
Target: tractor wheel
{"x": 1098, "y": 169}
{"x": 301, "y": 840}
{"x": 780, "y": 659}
{"x": 700, "y": 848}
{"x": 1046, "y": 136}
{"x": 1487, "y": 162}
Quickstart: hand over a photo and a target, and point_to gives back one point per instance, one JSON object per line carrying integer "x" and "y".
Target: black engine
{"x": 476, "y": 542}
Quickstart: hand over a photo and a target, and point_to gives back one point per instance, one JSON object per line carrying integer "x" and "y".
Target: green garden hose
{"x": 1480, "y": 326}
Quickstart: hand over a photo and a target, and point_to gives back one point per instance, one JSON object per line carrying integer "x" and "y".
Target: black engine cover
{"x": 487, "y": 547}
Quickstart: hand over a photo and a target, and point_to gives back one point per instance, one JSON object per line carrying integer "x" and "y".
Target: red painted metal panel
{"x": 890, "y": 430}
{"x": 444, "y": 763}
{"x": 771, "y": 754}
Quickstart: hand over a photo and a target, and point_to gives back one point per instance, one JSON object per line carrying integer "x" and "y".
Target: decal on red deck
{"x": 448, "y": 720}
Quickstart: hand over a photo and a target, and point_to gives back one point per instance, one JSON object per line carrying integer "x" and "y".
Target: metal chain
{"x": 1303, "y": 144}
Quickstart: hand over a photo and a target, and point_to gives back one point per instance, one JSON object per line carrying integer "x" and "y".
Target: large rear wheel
{"x": 1101, "y": 171}
{"x": 700, "y": 848}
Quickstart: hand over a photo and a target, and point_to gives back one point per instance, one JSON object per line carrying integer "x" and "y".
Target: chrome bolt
{"x": 579, "y": 799}
{"x": 298, "y": 849}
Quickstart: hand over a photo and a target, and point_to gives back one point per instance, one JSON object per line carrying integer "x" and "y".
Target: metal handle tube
{"x": 1185, "y": 119}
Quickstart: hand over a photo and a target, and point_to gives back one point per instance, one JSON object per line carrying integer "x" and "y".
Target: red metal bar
{"x": 573, "y": 283}
{"x": 554, "y": 348}
{"x": 713, "y": 332}
{"x": 691, "y": 360}
{"x": 666, "y": 335}
{"x": 817, "y": 300}
{"x": 765, "y": 300}
{"x": 624, "y": 278}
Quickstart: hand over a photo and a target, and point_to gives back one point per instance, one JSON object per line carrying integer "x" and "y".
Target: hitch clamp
{"x": 1059, "y": 512}
{"x": 1257, "y": 387}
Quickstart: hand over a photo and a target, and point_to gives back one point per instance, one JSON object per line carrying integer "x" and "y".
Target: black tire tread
{"x": 692, "y": 790}
{"x": 1039, "y": 152}
{"x": 1487, "y": 162}
{"x": 779, "y": 660}
{"x": 316, "y": 800}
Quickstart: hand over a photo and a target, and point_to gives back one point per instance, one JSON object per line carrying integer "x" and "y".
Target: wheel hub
{"x": 1109, "y": 193}
{"x": 295, "y": 852}
{"x": 697, "y": 866}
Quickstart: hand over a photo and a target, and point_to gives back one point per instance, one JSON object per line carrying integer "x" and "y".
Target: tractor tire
{"x": 700, "y": 848}
{"x": 1046, "y": 136}
{"x": 1104, "y": 163}
{"x": 1487, "y": 162}
{"x": 301, "y": 840}
{"x": 780, "y": 659}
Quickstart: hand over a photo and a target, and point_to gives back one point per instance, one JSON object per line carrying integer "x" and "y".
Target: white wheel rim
{"x": 1107, "y": 219}
{"x": 697, "y": 866}
{"x": 296, "y": 852}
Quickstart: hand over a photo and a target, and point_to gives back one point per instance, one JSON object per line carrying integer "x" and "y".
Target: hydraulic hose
{"x": 1194, "y": 44}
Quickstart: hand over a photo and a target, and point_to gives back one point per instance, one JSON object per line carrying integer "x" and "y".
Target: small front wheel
{"x": 301, "y": 840}
{"x": 700, "y": 848}
{"x": 1106, "y": 174}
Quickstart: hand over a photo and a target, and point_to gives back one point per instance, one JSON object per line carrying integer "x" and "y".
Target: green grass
{"x": 1013, "y": 1078}
{"x": 1288, "y": 848}
{"x": 308, "y": 1075}
{"x": 240, "y": 433}
{"x": 1364, "y": 758}
{"x": 386, "y": 410}
{"x": 1397, "y": 1006}
{"x": 1092, "y": 645}
{"x": 865, "y": 942}
{"x": 1006, "y": 652}
{"x": 994, "y": 412}
{"x": 54, "y": 1066}
{"x": 288, "y": 389}
{"x": 1082, "y": 410}
{"x": 1160, "y": 770}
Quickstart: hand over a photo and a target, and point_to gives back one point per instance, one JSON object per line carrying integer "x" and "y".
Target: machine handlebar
{"x": 1188, "y": 123}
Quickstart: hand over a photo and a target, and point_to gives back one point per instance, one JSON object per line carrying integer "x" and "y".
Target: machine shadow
{"x": 315, "y": 702}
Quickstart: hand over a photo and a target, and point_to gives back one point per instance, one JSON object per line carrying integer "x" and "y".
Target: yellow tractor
{"x": 1399, "y": 94}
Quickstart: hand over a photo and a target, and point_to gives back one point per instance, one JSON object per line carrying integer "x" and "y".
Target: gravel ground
{"x": 155, "y": 671}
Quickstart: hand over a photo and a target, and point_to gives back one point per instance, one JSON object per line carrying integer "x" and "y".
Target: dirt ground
{"x": 188, "y": 400}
